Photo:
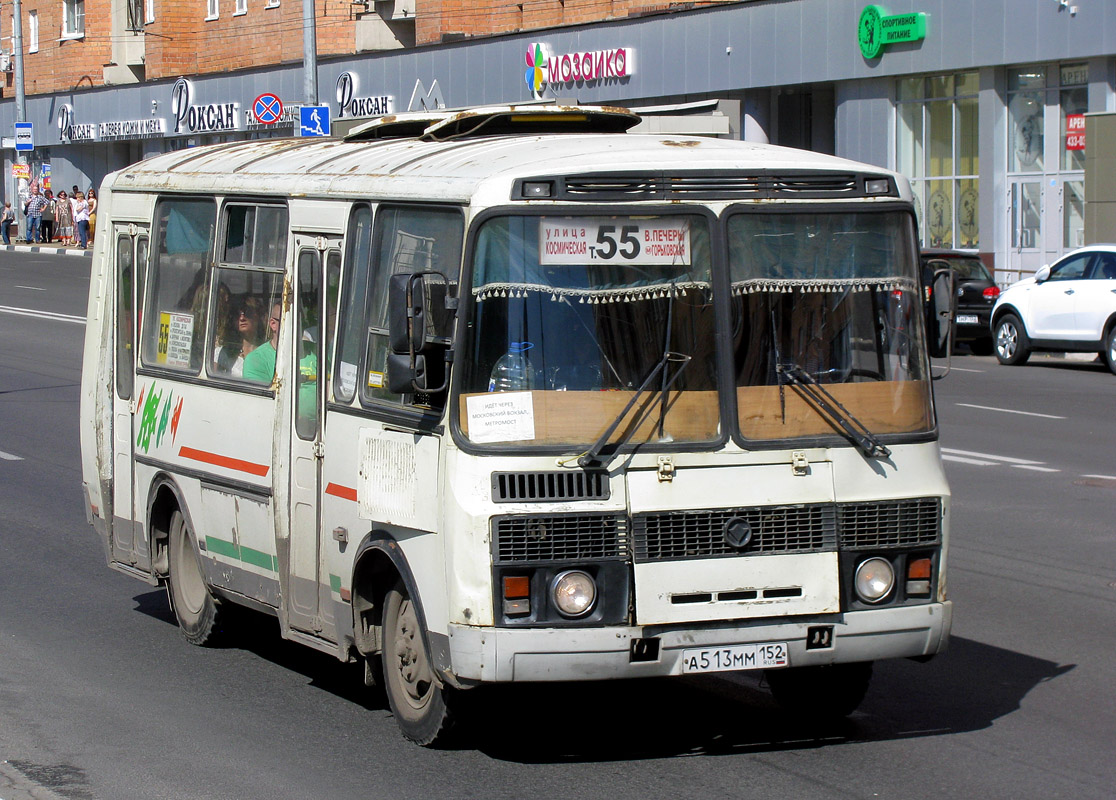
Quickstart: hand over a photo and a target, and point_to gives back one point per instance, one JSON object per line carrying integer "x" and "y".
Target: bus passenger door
{"x": 306, "y": 608}
{"x": 129, "y": 545}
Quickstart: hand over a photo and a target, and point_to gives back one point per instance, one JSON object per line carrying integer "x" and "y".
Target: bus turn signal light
{"x": 918, "y": 577}
{"x": 517, "y": 595}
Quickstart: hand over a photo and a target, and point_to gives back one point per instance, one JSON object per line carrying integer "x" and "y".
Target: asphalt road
{"x": 101, "y": 697}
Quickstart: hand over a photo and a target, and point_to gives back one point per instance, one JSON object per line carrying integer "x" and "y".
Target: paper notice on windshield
{"x": 501, "y": 417}
{"x": 622, "y": 240}
{"x": 176, "y": 337}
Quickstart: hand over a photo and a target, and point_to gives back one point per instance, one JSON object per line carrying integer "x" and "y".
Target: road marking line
{"x": 9, "y": 456}
{"x": 1010, "y": 411}
{"x": 989, "y": 455}
{"x": 32, "y": 288}
{"x": 1101, "y": 477}
{"x": 27, "y": 312}
{"x": 970, "y": 461}
{"x": 963, "y": 369}
{"x": 1036, "y": 469}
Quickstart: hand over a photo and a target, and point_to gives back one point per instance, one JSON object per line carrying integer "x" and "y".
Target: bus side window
{"x": 352, "y": 303}
{"x": 408, "y": 239}
{"x": 175, "y": 321}
{"x": 125, "y": 317}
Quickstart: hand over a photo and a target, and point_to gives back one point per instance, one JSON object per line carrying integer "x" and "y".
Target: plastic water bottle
{"x": 512, "y": 372}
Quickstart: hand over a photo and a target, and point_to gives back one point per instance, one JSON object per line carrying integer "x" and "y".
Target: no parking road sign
{"x": 268, "y": 109}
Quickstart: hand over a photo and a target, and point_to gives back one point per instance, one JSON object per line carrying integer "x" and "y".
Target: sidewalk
{"x": 20, "y": 246}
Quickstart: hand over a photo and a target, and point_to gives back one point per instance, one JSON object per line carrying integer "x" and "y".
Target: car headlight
{"x": 875, "y": 579}
{"x": 574, "y": 593}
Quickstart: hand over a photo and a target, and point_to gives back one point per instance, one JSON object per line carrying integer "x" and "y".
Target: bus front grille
{"x": 675, "y": 535}
{"x": 540, "y": 538}
{"x": 667, "y": 536}
{"x": 889, "y": 523}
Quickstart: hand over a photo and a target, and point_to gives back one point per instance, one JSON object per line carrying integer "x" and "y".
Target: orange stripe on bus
{"x": 344, "y": 492}
{"x": 224, "y": 461}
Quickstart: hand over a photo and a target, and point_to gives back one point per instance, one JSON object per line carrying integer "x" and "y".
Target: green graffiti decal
{"x": 147, "y": 419}
{"x": 164, "y": 420}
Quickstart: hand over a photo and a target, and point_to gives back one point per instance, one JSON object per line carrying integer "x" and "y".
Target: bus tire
{"x": 416, "y": 697}
{"x": 825, "y": 692}
{"x": 199, "y": 613}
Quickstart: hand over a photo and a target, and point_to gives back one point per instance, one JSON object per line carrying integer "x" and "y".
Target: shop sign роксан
{"x": 207, "y": 118}
{"x": 352, "y": 106}
{"x": 113, "y": 131}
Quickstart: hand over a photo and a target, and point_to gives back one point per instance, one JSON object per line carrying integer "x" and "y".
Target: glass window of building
{"x": 936, "y": 147}
{"x": 1035, "y": 94}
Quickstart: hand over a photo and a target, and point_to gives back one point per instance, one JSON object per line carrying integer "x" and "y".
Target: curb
{"x": 34, "y": 248}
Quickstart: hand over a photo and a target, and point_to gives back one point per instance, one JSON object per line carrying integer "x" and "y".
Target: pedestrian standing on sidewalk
{"x": 7, "y": 220}
{"x": 81, "y": 219}
{"x": 64, "y": 214}
{"x": 91, "y": 200}
{"x": 33, "y": 208}
{"x": 48, "y": 218}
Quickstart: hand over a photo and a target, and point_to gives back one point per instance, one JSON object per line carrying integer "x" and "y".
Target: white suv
{"x": 1068, "y": 307}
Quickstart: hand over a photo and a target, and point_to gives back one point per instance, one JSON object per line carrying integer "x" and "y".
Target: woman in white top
{"x": 81, "y": 219}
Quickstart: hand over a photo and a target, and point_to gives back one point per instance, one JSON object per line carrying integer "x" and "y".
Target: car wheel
{"x": 1011, "y": 342}
{"x": 1110, "y": 350}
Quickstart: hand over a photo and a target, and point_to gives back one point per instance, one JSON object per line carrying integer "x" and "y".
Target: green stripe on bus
{"x": 256, "y": 558}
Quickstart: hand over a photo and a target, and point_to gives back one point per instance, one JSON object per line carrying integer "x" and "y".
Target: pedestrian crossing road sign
{"x": 314, "y": 121}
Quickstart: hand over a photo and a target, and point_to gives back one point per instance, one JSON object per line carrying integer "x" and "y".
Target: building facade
{"x": 981, "y": 105}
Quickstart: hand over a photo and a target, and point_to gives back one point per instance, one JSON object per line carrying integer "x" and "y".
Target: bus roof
{"x": 468, "y": 167}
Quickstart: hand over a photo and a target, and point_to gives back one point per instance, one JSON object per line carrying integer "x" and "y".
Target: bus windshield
{"x": 826, "y": 324}
{"x": 574, "y": 314}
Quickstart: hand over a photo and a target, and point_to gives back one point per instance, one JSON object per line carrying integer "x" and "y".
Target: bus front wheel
{"x": 417, "y": 699}
{"x": 825, "y": 692}
{"x": 197, "y": 610}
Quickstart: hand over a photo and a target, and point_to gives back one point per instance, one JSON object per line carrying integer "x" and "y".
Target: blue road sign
{"x": 25, "y": 136}
{"x": 268, "y": 109}
{"x": 314, "y": 121}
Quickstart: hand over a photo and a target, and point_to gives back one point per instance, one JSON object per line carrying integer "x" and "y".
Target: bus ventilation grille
{"x": 889, "y": 523}
{"x": 678, "y": 535}
{"x": 706, "y": 186}
{"x": 559, "y": 537}
{"x": 549, "y": 487}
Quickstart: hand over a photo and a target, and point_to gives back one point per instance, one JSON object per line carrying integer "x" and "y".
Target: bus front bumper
{"x": 568, "y": 654}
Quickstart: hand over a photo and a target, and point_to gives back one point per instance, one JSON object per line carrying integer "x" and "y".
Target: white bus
{"x": 513, "y": 395}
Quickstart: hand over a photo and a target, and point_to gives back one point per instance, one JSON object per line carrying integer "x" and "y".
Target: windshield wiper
{"x": 591, "y": 458}
{"x": 827, "y": 405}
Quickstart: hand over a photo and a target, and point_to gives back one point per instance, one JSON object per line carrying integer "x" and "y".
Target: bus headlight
{"x": 574, "y": 593}
{"x": 875, "y": 579}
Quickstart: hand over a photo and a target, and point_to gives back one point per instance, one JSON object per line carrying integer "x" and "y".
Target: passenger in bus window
{"x": 259, "y": 365}
{"x": 241, "y": 332}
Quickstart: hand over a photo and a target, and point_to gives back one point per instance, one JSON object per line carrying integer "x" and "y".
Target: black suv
{"x": 976, "y": 294}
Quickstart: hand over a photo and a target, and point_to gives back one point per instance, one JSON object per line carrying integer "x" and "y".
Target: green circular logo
{"x": 869, "y": 31}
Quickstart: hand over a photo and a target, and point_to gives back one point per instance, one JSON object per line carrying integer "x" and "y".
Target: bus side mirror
{"x": 420, "y": 316}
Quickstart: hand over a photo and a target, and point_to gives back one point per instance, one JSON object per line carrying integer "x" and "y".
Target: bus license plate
{"x": 736, "y": 657}
{"x": 967, "y": 319}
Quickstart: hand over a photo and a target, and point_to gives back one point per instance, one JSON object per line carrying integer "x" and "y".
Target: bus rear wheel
{"x": 821, "y": 693}
{"x": 198, "y": 611}
{"x": 417, "y": 699}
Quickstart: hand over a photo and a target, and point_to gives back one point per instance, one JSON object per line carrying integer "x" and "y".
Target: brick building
{"x": 981, "y": 105}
